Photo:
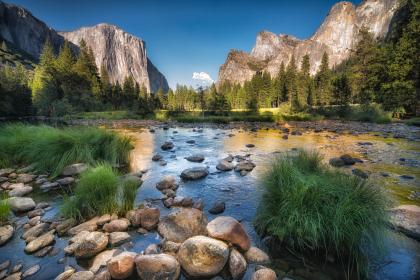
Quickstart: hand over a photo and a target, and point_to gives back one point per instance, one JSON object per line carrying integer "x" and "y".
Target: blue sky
{"x": 186, "y": 36}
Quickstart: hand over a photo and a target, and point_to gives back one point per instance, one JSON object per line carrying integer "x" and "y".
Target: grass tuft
{"x": 50, "y": 149}
{"x": 320, "y": 210}
{"x": 4, "y": 209}
{"x": 99, "y": 192}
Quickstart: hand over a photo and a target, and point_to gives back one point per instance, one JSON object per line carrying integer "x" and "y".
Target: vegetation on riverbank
{"x": 4, "y": 209}
{"x": 49, "y": 149}
{"x": 314, "y": 209}
{"x": 98, "y": 192}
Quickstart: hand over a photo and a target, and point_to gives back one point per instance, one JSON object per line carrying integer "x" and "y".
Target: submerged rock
{"x": 157, "y": 267}
{"x": 31, "y": 271}
{"x": 194, "y": 173}
{"x": 202, "y": 256}
{"x": 230, "y": 230}
{"x": 167, "y": 182}
{"x": 6, "y": 233}
{"x": 182, "y": 224}
{"x": 167, "y": 146}
{"x": 406, "y": 218}
{"x": 217, "y": 208}
{"x": 157, "y": 157}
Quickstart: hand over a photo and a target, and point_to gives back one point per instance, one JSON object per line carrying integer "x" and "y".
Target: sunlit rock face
{"x": 122, "y": 54}
{"x": 337, "y": 36}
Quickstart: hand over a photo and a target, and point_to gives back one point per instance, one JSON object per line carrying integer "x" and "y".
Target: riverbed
{"x": 385, "y": 159}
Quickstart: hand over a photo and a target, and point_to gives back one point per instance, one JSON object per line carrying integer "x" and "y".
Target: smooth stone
{"x": 250, "y": 145}
{"x": 36, "y": 212}
{"x": 35, "y": 231}
{"x": 245, "y": 165}
{"x": 195, "y": 158}
{"x": 167, "y": 146}
{"x": 348, "y": 159}
{"x": 40, "y": 242}
{"x": 103, "y": 275}
{"x": 157, "y": 157}
{"x": 101, "y": 259}
{"x": 157, "y": 267}
{"x": 25, "y": 178}
{"x": 198, "y": 204}
{"x": 31, "y": 271}
{"x": 65, "y": 275}
{"x": 21, "y": 204}
{"x": 217, "y": 208}
{"x": 4, "y": 265}
{"x": 202, "y": 256}
{"x": 48, "y": 186}
{"x": 170, "y": 247}
{"x": 86, "y": 226}
{"x": 6, "y": 171}
{"x": 264, "y": 274}
{"x": 64, "y": 226}
{"x": 116, "y": 225}
{"x": 230, "y": 230}
{"x": 19, "y": 192}
{"x": 406, "y": 218}
{"x": 44, "y": 251}
{"x": 118, "y": 238}
{"x": 224, "y": 165}
{"x": 14, "y": 276}
{"x": 74, "y": 169}
{"x": 257, "y": 256}
{"x": 122, "y": 265}
{"x": 15, "y": 186}
{"x": 190, "y": 142}
{"x": 103, "y": 219}
{"x": 92, "y": 244}
{"x": 6, "y": 233}
{"x": 34, "y": 221}
{"x": 182, "y": 224}
{"x": 82, "y": 275}
{"x": 237, "y": 264}
{"x": 167, "y": 182}
{"x": 336, "y": 162}
{"x": 194, "y": 173}
{"x": 65, "y": 181}
{"x": 152, "y": 249}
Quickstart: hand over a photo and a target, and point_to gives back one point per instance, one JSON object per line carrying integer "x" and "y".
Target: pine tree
{"x": 323, "y": 82}
{"x": 291, "y": 85}
{"x": 341, "y": 92}
{"x": 305, "y": 82}
{"x": 65, "y": 59}
{"x": 106, "y": 84}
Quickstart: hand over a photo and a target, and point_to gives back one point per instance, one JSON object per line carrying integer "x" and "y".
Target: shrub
{"x": 4, "y": 209}
{"x": 320, "y": 210}
{"x": 50, "y": 149}
{"x": 99, "y": 192}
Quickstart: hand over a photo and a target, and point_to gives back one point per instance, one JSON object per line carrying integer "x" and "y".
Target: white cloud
{"x": 202, "y": 77}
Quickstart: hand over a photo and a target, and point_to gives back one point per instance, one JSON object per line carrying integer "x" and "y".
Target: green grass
{"x": 4, "y": 209}
{"x": 99, "y": 192}
{"x": 50, "y": 149}
{"x": 322, "y": 211}
{"x": 107, "y": 115}
{"x": 413, "y": 121}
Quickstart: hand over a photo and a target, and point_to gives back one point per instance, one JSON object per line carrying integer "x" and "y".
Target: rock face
{"x": 182, "y": 224}
{"x": 156, "y": 267}
{"x": 122, "y": 54}
{"x": 337, "y": 36}
{"x": 201, "y": 256}
{"x": 406, "y": 218}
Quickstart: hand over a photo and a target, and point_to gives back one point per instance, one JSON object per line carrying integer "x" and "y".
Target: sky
{"x": 187, "y": 38}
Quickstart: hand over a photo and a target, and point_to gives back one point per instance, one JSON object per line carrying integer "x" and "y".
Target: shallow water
{"x": 242, "y": 194}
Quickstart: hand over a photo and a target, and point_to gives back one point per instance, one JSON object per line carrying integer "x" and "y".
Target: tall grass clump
{"x": 316, "y": 210}
{"x": 100, "y": 191}
{"x": 50, "y": 149}
{"x": 4, "y": 209}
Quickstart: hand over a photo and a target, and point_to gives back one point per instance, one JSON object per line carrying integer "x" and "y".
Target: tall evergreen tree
{"x": 323, "y": 82}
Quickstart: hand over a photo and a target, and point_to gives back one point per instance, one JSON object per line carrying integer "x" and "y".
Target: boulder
{"x": 18, "y": 192}
{"x": 230, "y": 230}
{"x": 122, "y": 265}
{"x": 217, "y": 208}
{"x": 195, "y": 158}
{"x": 66, "y": 274}
{"x": 202, "y": 256}
{"x": 116, "y": 225}
{"x": 406, "y": 218}
{"x": 64, "y": 226}
{"x": 194, "y": 173}
{"x": 93, "y": 243}
{"x": 264, "y": 274}
{"x": 118, "y": 238}
{"x": 152, "y": 249}
{"x": 224, "y": 165}
{"x": 237, "y": 264}
{"x": 40, "y": 242}
{"x": 74, "y": 169}
{"x": 103, "y": 219}
{"x": 6, "y": 233}
{"x": 257, "y": 256}
{"x": 170, "y": 247}
{"x": 182, "y": 224}
{"x": 21, "y": 204}
{"x": 150, "y": 218}
{"x": 15, "y": 186}
{"x": 157, "y": 267}
{"x": 86, "y": 226}
{"x": 75, "y": 241}
{"x": 82, "y": 275}
{"x": 245, "y": 165}
{"x": 167, "y": 182}
{"x": 167, "y": 146}
{"x": 36, "y": 212}
{"x": 35, "y": 231}
{"x": 101, "y": 259}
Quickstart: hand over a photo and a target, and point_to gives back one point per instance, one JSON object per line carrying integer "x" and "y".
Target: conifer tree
{"x": 323, "y": 82}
